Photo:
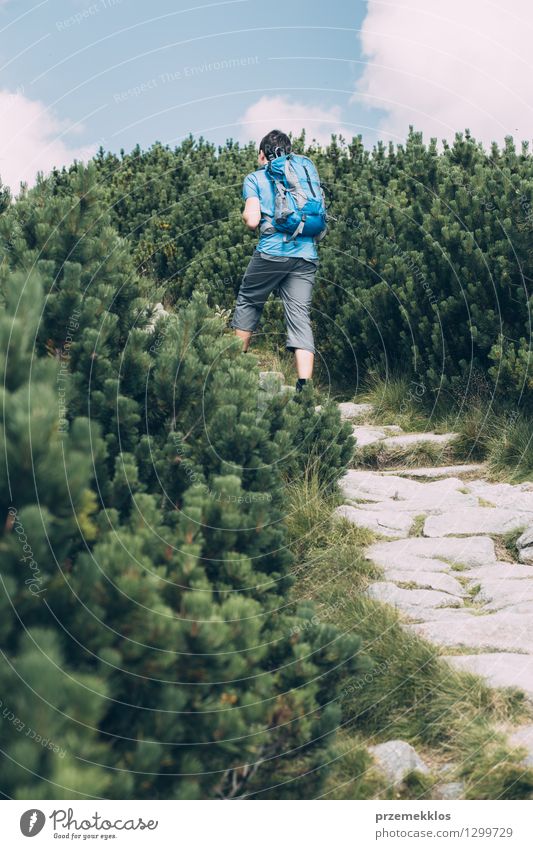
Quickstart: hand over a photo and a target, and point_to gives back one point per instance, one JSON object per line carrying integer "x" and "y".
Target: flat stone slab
{"x": 421, "y": 615}
{"x": 375, "y": 487}
{"x": 406, "y": 440}
{"x": 498, "y": 594}
{"x": 501, "y": 631}
{"x": 525, "y": 607}
{"x": 371, "y": 434}
{"x": 471, "y": 552}
{"x": 477, "y": 520}
{"x": 436, "y": 580}
{"x": 404, "y": 494}
{"x": 388, "y": 523}
{"x": 397, "y": 759}
{"x": 523, "y": 738}
{"x": 437, "y": 497}
{"x": 499, "y": 669}
{"x": 499, "y": 571}
{"x": 409, "y": 564}
{"x": 512, "y": 497}
{"x": 391, "y": 594}
{"x": 350, "y": 410}
{"x": 437, "y": 471}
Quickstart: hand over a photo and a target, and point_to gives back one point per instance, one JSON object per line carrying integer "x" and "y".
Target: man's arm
{"x": 252, "y": 213}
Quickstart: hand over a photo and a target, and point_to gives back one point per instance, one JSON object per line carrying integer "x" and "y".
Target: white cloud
{"x": 447, "y": 66}
{"x": 291, "y": 116}
{"x": 33, "y": 139}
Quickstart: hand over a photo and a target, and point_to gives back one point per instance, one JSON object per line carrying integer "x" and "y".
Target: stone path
{"x": 445, "y": 564}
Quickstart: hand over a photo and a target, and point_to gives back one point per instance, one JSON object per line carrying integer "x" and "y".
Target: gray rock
{"x": 497, "y": 594}
{"x": 499, "y": 669}
{"x": 271, "y": 381}
{"x": 408, "y": 565}
{"x": 404, "y": 494}
{"x": 501, "y": 631}
{"x": 526, "y": 555}
{"x": 387, "y": 523}
{"x": 433, "y": 580}
{"x": 525, "y": 539}
{"x": 525, "y": 607}
{"x": 421, "y": 615}
{"x": 523, "y": 738}
{"x": 375, "y": 487}
{"x": 397, "y": 759}
{"x": 158, "y": 311}
{"x": 450, "y": 790}
{"x": 402, "y": 598}
{"x": 499, "y": 571}
{"x": 473, "y": 552}
{"x": 368, "y": 434}
{"x": 502, "y": 495}
{"x": 349, "y": 410}
{"x": 437, "y": 471}
{"x": 406, "y": 440}
{"x": 435, "y": 501}
{"x": 477, "y": 520}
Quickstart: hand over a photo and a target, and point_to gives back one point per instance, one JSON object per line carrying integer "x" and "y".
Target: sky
{"x": 77, "y": 74}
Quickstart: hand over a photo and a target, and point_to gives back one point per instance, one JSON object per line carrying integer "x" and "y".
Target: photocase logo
{"x": 32, "y": 822}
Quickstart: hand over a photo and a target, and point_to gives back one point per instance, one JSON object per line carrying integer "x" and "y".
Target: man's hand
{"x": 252, "y": 213}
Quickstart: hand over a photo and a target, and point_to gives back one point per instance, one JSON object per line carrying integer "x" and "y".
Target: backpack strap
{"x": 267, "y": 226}
{"x": 294, "y": 183}
{"x": 298, "y": 230}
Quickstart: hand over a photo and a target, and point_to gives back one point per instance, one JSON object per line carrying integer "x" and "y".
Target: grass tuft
{"x": 397, "y": 400}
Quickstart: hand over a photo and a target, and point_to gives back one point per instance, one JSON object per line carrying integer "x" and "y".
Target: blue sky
{"x": 75, "y": 74}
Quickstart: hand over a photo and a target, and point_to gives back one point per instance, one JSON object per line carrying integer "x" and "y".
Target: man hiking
{"x": 285, "y": 197}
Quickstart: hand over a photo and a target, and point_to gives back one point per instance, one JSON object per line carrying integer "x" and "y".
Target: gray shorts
{"x": 294, "y": 278}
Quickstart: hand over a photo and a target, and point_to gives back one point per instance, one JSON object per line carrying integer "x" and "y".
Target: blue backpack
{"x": 300, "y": 206}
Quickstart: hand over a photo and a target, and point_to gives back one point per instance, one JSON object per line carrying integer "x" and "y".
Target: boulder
{"x": 524, "y": 544}
{"x": 525, "y": 539}
{"x": 158, "y": 311}
{"x": 396, "y": 759}
{"x": 526, "y": 555}
{"x": 349, "y": 410}
{"x": 449, "y": 790}
{"x": 271, "y": 381}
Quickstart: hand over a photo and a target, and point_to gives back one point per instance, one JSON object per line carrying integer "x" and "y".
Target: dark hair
{"x": 275, "y": 144}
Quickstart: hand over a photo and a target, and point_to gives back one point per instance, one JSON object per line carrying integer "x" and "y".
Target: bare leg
{"x": 245, "y": 335}
{"x": 304, "y": 363}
